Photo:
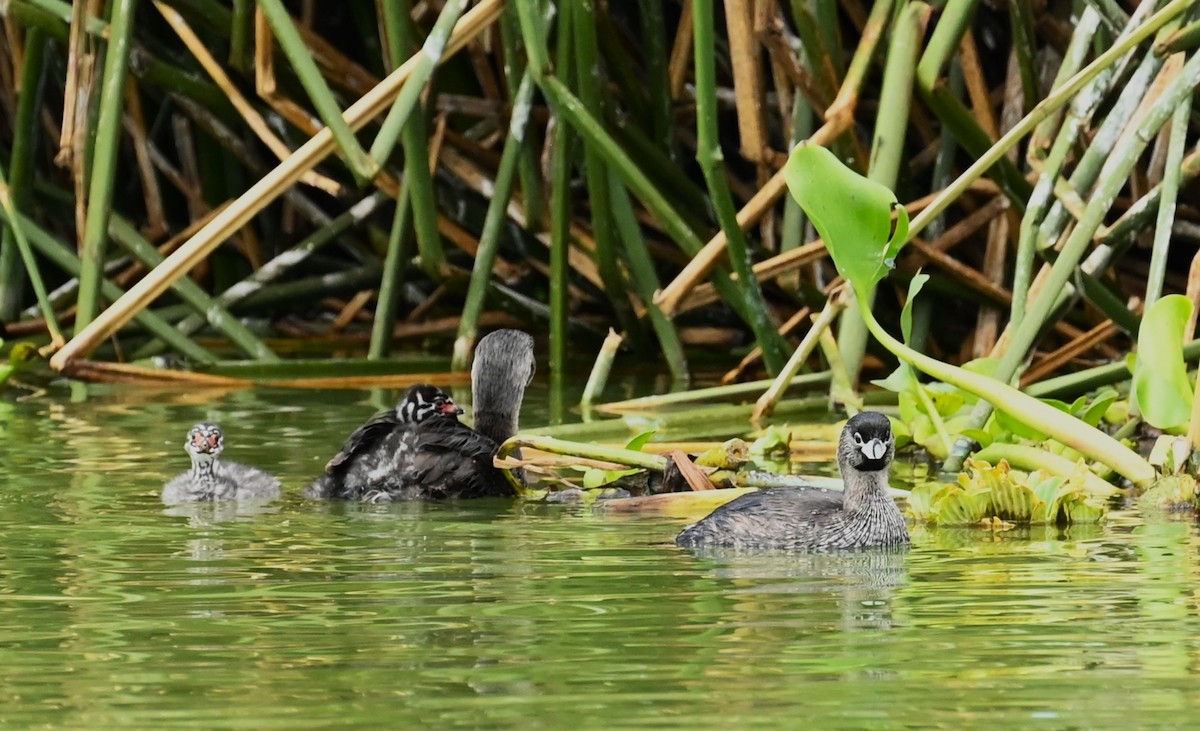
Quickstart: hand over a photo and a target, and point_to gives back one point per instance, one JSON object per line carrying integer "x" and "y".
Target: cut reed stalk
{"x": 104, "y": 161}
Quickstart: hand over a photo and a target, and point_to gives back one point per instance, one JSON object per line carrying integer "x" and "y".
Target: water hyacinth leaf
{"x": 1015, "y": 502}
{"x": 596, "y": 477}
{"x": 1077, "y": 509}
{"x": 901, "y": 380}
{"x": 636, "y": 444}
{"x": 775, "y": 441}
{"x": 1059, "y": 404}
{"x": 946, "y": 398}
{"x": 980, "y": 436}
{"x": 1172, "y": 492}
{"x": 852, "y": 214}
{"x": 20, "y": 354}
{"x": 1016, "y": 426}
{"x": 1047, "y": 490}
{"x": 1094, "y": 413}
{"x": 1161, "y": 387}
{"x": 920, "y": 503}
{"x": 956, "y": 506}
{"x": 914, "y": 288}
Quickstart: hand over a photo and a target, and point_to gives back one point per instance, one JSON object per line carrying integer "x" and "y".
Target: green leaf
{"x": 901, "y": 380}
{"x": 1161, "y": 387}
{"x": 920, "y": 501}
{"x": 1018, "y": 427}
{"x": 776, "y": 440}
{"x": 596, "y": 477}
{"x": 1047, "y": 489}
{"x": 636, "y": 444}
{"x": 983, "y": 438}
{"x": 956, "y": 507}
{"x": 914, "y": 288}
{"x": 946, "y": 398}
{"x": 852, "y": 214}
{"x": 1095, "y": 411}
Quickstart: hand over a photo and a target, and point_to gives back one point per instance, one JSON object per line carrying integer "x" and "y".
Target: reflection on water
{"x": 118, "y": 612}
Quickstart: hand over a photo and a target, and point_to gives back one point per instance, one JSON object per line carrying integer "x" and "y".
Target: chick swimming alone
{"x": 864, "y": 515}
{"x": 212, "y": 478}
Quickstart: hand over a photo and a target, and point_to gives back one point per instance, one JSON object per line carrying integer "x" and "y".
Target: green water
{"x": 117, "y": 613}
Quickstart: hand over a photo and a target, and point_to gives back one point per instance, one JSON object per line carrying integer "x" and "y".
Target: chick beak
{"x": 449, "y": 407}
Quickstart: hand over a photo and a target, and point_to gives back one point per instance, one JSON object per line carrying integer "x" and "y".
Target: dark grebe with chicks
{"x": 421, "y": 450}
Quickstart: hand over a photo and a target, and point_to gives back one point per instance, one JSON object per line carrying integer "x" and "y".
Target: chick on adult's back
{"x": 814, "y": 519}
{"x": 436, "y": 457}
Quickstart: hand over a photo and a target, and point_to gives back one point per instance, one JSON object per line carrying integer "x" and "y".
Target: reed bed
{"x": 282, "y": 176}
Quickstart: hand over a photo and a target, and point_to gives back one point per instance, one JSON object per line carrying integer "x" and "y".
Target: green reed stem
{"x": 533, "y": 30}
{"x": 529, "y": 171}
{"x": 645, "y": 278}
{"x": 944, "y": 43}
{"x": 1064, "y": 143}
{"x": 1185, "y": 38}
{"x": 1072, "y": 385}
{"x": 418, "y": 181}
{"x": 19, "y": 238}
{"x": 25, "y": 139}
{"x": 821, "y": 60}
{"x": 710, "y": 158}
{"x": 104, "y": 160}
{"x": 1166, "y": 206}
{"x": 392, "y": 280}
{"x": 1100, "y": 146}
{"x": 1077, "y": 52}
{"x": 568, "y": 107}
{"x": 241, "y": 31}
{"x": 402, "y": 38}
{"x": 658, "y": 401}
{"x": 561, "y": 157}
{"x": 588, "y": 78}
{"x": 887, "y": 146}
{"x": 1134, "y": 220}
{"x": 361, "y": 164}
{"x": 493, "y": 225}
{"x": 765, "y": 406}
{"x": 598, "y": 378}
{"x": 654, "y": 50}
{"x": 1021, "y": 17}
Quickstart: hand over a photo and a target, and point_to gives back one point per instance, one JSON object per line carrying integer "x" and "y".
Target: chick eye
{"x": 858, "y": 439}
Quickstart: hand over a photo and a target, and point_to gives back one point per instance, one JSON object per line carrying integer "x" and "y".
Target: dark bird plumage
{"x": 214, "y": 479}
{"x": 814, "y": 519}
{"x": 425, "y": 452}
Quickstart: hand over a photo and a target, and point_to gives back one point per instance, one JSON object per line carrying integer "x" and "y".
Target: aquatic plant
{"x": 854, "y": 216}
{"x": 985, "y": 492}
{"x": 1162, "y": 390}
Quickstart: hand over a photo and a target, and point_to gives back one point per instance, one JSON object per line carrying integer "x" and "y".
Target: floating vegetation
{"x": 985, "y": 494}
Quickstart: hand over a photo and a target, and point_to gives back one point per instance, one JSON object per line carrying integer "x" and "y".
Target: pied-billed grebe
{"x": 213, "y": 479}
{"x": 814, "y": 519}
{"x": 435, "y": 456}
